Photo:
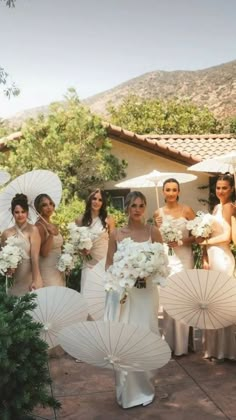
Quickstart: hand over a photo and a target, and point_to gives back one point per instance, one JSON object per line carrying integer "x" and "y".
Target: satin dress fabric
{"x": 22, "y": 278}
{"x": 176, "y": 333}
{"x": 98, "y": 251}
{"x": 140, "y": 308}
{"x": 220, "y": 343}
{"x": 51, "y": 276}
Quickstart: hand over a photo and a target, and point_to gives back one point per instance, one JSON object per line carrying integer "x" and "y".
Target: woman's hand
{"x": 205, "y": 265}
{"x": 85, "y": 252}
{"x": 36, "y": 284}
{"x": 158, "y": 221}
{"x": 174, "y": 244}
{"x": 199, "y": 240}
{"x": 52, "y": 229}
{"x": 10, "y": 272}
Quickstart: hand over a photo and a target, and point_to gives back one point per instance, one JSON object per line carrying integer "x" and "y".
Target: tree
{"x": 70, "y": 141}
{"x": 145, "y": 116}
{"x": 11, "y": 89}
{"x": 23, "y": 359}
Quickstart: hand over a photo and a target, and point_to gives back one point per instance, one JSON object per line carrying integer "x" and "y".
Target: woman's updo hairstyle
{"x": 38, "y": 202}
{"x": 131, "y": 197}
{"x": 20, "y": 200}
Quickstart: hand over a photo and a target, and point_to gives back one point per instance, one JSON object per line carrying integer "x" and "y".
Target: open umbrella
{"x": 223, "y": 163}
{"x": 31, "y": 184}
{"x": 94, "y": 291}
{"x": 57, "y": 308}
{"x": 115, "y": 345}
{"x": 155, "y": 179}
{"x": 4, "y": 177}
{"x": 201, "y": 298}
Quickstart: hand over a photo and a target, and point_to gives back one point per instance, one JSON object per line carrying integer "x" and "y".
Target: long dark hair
{"x": 213, "y": 199}
{"x": 87, "y": 216}
{"x": 20, "y": 200}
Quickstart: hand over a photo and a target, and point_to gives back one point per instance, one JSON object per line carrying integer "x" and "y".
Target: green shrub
{"x": 24, "y": 375}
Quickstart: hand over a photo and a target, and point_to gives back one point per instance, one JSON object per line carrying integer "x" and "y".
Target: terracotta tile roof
{"x": 187, "y": 149}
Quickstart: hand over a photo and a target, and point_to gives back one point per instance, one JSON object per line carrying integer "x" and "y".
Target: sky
{"x": 48, "y": 46}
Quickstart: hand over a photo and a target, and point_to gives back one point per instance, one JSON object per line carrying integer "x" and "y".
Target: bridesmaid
{"x": 220, "y": 344}
{"x": 176, "y": 333}
{"x": 51, "y": 242}
{"x": 97, "y": 219}
{"x": 27, "y": 275}
{"x": 141, "y": 305}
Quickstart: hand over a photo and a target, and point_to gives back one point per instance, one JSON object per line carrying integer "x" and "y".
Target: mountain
{"x": 214, "y": 87}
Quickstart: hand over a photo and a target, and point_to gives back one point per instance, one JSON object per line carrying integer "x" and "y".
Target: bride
{"x": 141, "y": 305}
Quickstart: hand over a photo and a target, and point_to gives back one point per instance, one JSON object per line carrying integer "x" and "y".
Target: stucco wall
{"x": 141, "y": 162}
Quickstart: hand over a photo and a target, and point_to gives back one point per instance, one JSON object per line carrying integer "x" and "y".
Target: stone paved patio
{"x": 197, "y": 389}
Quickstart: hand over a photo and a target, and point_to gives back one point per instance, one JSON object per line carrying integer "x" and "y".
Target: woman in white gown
{"x": 220, "y": 344}
{"x": 99, "y": 222}
{"x": 140, "y": 307}
{"x": 27, "y": 275}
{"x": 175, "y": 332}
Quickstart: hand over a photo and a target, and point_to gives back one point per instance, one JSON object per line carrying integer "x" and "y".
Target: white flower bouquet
{"x": 134, "y": 263}
{"x": 10, "y": 257}
{"x": 81, "y": 237}
{"x": 169, "y": 232}
{"x": 201, "y": 225}
{"x": 67, "y": 259}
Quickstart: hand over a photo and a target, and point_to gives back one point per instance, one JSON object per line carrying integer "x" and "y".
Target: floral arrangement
{"x": 67, "y": 258}
{"x": 169, "y": 232}
{"x": 10, "y": 256}
{"x": 201, "y": 225}
{"x": 136, "y": 261}
{"x": 80, "y": 238}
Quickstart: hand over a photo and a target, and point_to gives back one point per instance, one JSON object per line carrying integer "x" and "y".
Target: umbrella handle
{"x": 157, "y": 197}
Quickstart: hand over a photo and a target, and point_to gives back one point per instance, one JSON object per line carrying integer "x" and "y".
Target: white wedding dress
{"x": 220, "y": 343}
{"x": 98, "y": 253}
{"x": 175, "y": 332}
{"x": 140, "y": 308}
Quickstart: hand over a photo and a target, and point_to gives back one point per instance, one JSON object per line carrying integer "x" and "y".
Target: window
{"x": 116, "y": 198}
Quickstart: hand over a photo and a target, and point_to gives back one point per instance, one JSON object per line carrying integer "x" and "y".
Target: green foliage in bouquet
{"x": 24, "y": 375}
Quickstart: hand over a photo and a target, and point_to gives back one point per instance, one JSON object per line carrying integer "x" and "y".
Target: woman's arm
{"x": 157, "y": 218}
{"x": 226, "y": 235}
{"x": 111, "y": 249}
{"x": 78, "y": 220}
{"x": 189, "y": 214}
{"x": 35, "y": 242}
{"x": 156, "y": 235}
{"x": 46, "y": 240}
{"x": 110, "y": 224}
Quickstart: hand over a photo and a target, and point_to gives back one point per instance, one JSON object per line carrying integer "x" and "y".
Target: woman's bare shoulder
{"x": 78, "y": 220}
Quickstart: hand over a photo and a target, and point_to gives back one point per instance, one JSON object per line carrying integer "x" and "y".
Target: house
{"x": 167, "y": 153}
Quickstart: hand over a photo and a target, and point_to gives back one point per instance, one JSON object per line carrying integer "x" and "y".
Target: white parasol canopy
{"x": 4, "y": 177}
{"x": 57, "y": 308}
{"x": 201, "y": 298}
{"x": 94, "y": 290}
{"x": 155, "y": 179}
{"x": 115, "y": 345}
{"x": 222, "y": 164}
{"x": 31, "y": 184}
